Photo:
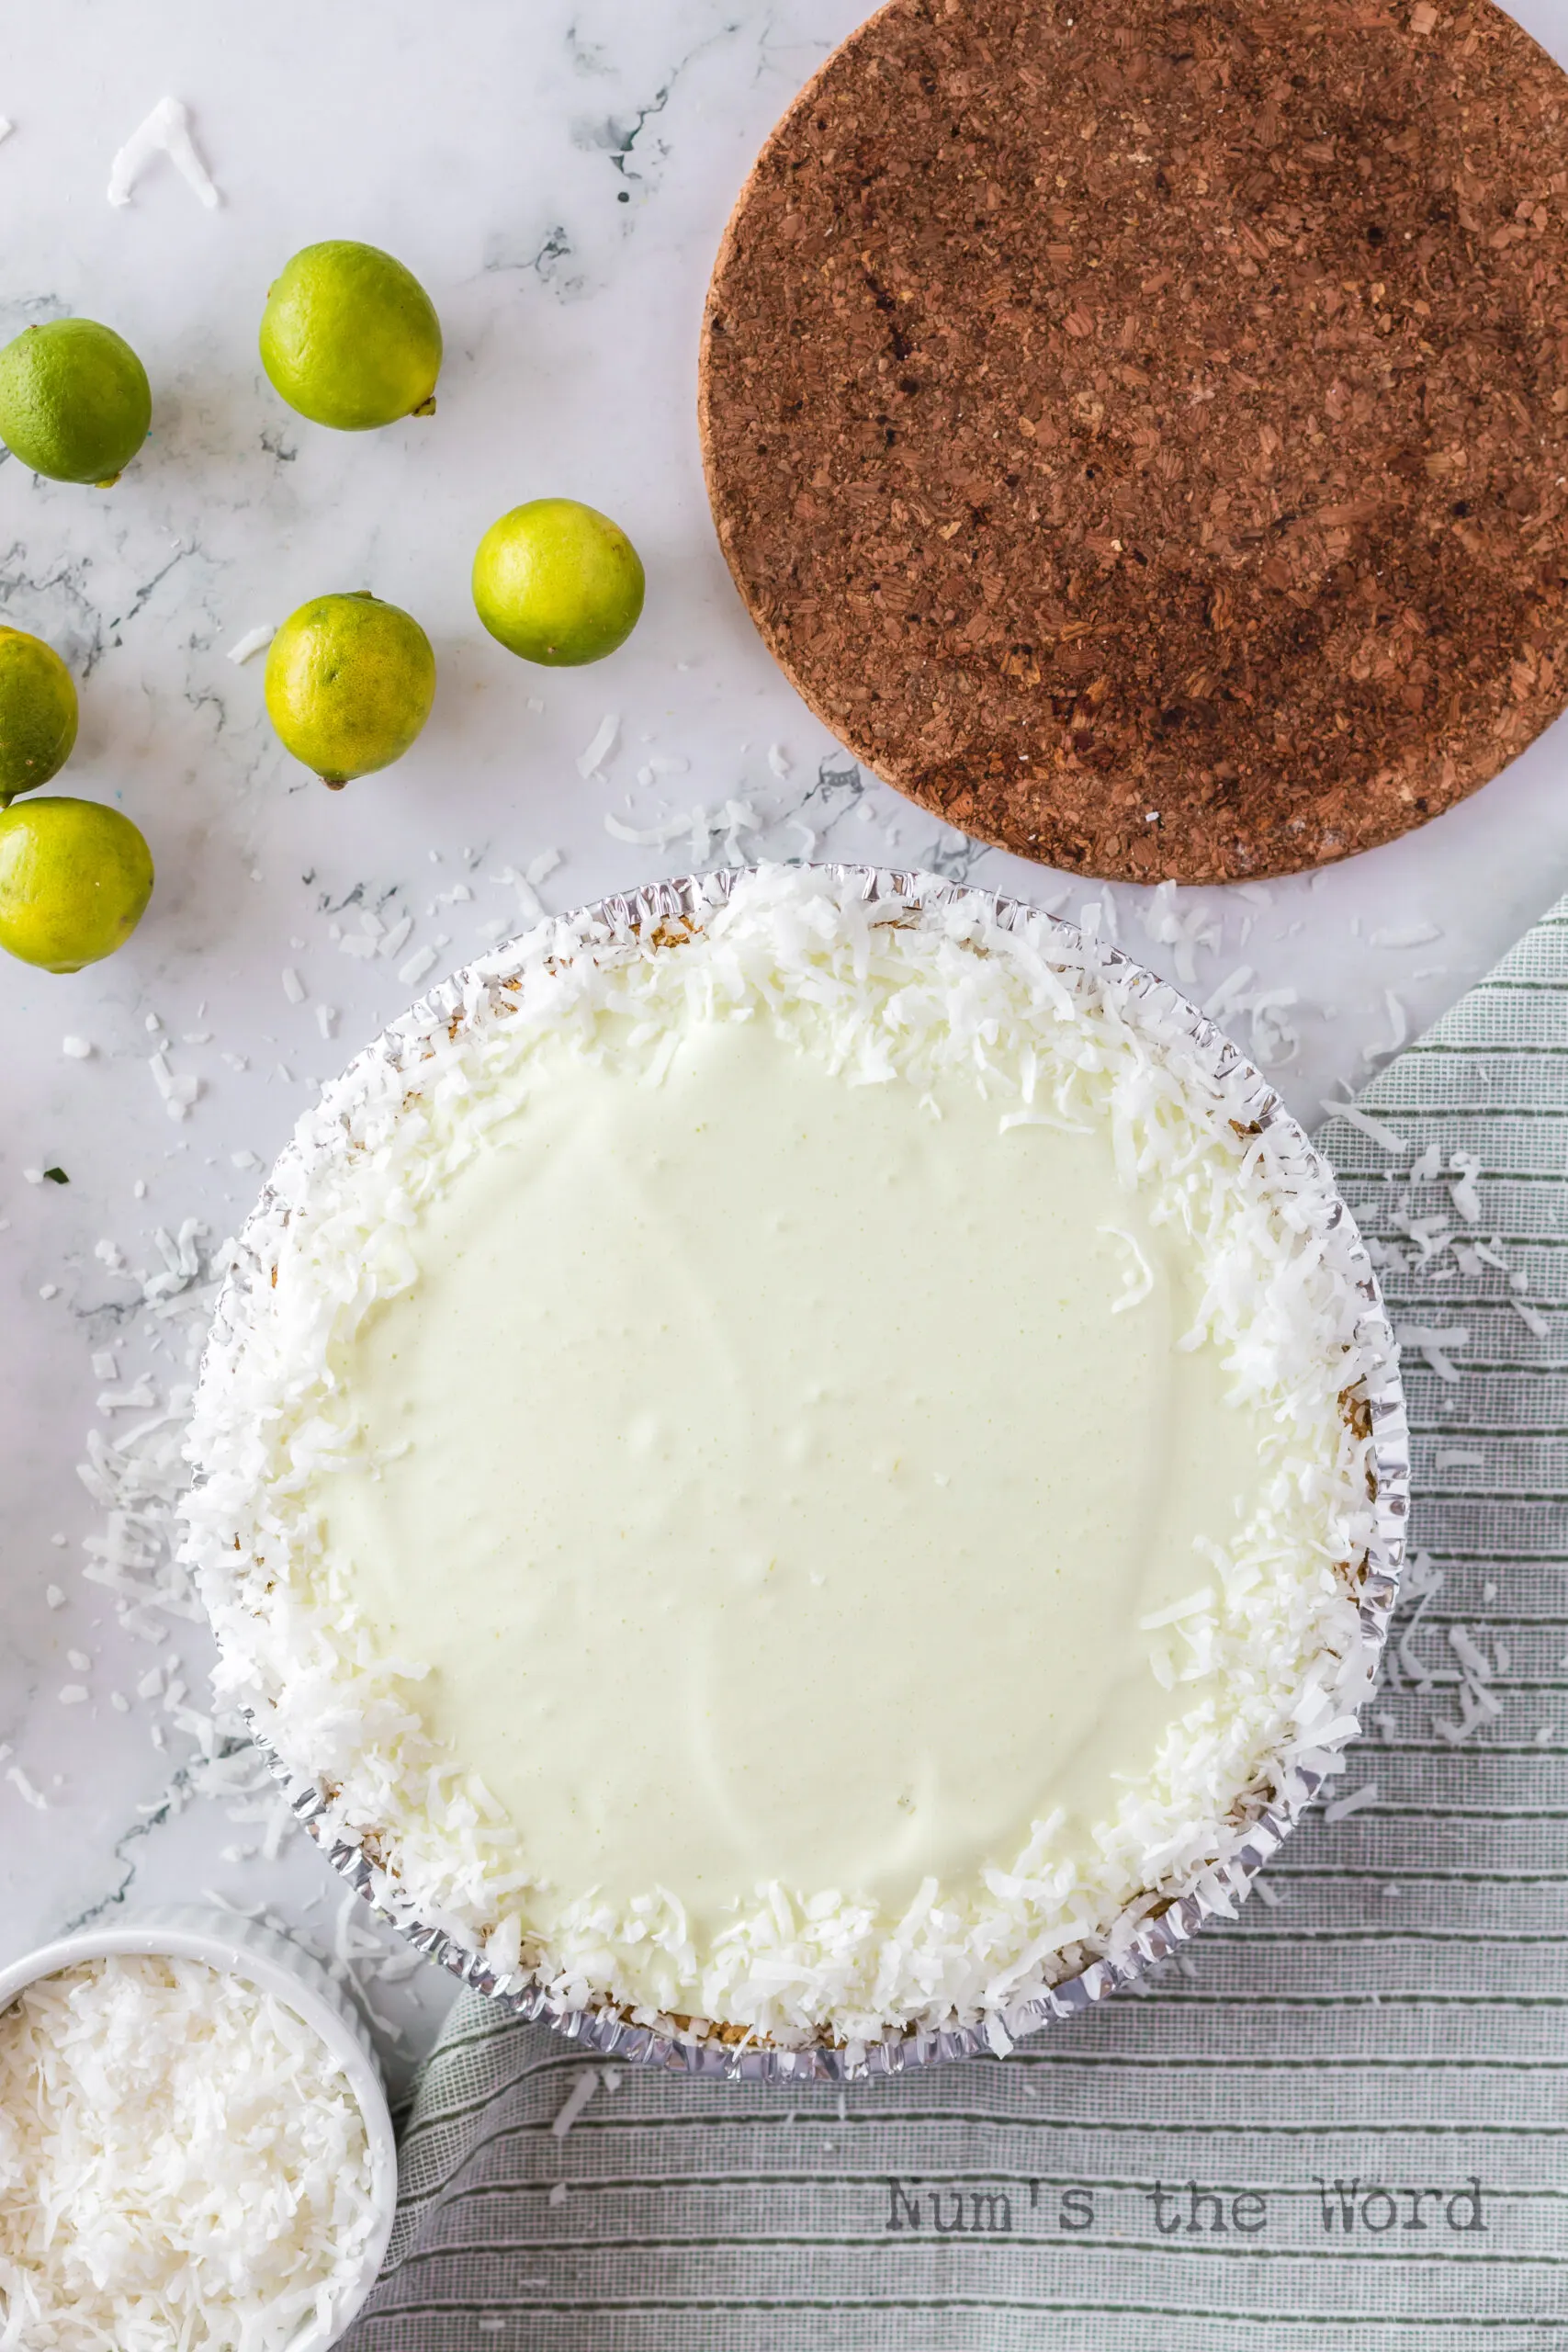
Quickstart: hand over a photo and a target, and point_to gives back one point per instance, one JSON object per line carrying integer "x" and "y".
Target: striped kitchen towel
{"x": 1339, "y": 2121}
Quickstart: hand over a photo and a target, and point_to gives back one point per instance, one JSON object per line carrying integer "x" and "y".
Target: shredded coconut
{"x": 255, "y": 640}
{"x": 182, "y": 2162}
{"x": 25, "y": 1789}
{"x": 577, "y": 2098}
{"x": 1271, "y": 1662}
{"x": 698, "y": 826}
{"x": 1473, "y": 1659}
{"x": 1139, "y": 1279}
{"x": 166, "y": 130}
{"x": 1434, "y": 1344}
{"x": 1465, "y": 1191}
{"x": 592, "y": 758}
{"x": 1399, "y": 1026}
{"x": 423, "y": 960}
{"x": 1410, "y": 935}
{"x": 1355, "y": 1801}
{"x": 1384, "y": 1137}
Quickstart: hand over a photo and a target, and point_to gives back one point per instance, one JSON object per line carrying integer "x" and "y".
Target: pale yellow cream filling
{"x": 773, "y": 1475}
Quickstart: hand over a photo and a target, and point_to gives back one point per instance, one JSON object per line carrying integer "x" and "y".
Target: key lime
{"x": 37, "y": 713}
{"x": 75, "y": 881}
{"x": 349, "y": 684}
{"x": 74, "y": 401}
{"x": 557, "y": 582}
{"x": 351, "y": 338}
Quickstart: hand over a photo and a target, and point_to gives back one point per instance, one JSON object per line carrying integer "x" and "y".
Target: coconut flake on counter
{"x": 592, "y": 758}
{"x": 1197, "y": 928}
{"x": 1033, "y": 1018}
{"x": 1229, "y": 992}
{"x": 1398, "y": 1021}
{"x": 662, "y": 764}
{"x": 166, "y": 131}
{"x": 181, "y": 2160}
{"x": 699, "y": 825}
{"x": 1273, "y": 1039}
{"x": 255, "y": 640}
{"x": 1098, "y": 918}
{"x": 24, "y": 1788}
{"x": 1409, "y": 934}
{"x": 179, "y": 1089}
{"x": 507, "y": 877}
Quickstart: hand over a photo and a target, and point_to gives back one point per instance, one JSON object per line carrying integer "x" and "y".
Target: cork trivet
{"x": 1140, "y": 432}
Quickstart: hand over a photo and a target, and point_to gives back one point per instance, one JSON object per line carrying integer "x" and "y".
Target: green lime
{"x": 351, "y": 338}
{"x": 74, "y": 401}
{"x": 75, "y": 882}
{"x": 558, "y": 582}
{"x": 349, "y": 684}
{"x": 37, "y": 713}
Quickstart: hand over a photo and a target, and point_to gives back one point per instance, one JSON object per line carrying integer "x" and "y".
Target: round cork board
{"x": 1140, "y": 431}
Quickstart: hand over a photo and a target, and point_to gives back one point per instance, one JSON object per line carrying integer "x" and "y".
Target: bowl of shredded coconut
{"x": 194, "y": 2145}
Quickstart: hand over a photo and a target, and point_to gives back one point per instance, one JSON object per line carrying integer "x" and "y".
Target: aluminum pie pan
{"x": 1214, "y": 1892}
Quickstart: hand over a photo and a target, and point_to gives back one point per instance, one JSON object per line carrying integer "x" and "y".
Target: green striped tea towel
{"x": 1340, "y": 2122}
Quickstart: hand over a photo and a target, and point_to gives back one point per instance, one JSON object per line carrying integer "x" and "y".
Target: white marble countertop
{"x": 558, "y": 175}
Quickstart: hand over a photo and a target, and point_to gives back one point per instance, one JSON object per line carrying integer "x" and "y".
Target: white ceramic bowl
{"x": 241, "y": 1947}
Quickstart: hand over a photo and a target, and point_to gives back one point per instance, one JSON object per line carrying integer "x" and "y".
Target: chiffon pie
{"x": 795, "y": 1470}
